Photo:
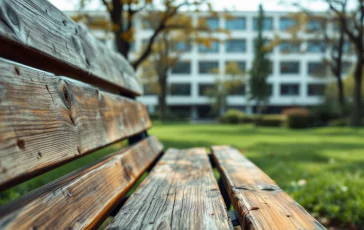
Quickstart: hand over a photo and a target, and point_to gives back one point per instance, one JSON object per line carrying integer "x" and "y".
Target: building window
{"x": 336, "y": 26}
{"x": 287, "y": 23}
{"x": 238, "y": 90}
{"x": 289, "y": 47}
{"x": 314, "y": 26}
{"x": 316, "y": 89}
{"x": 290, "y": 90}
{"x": 182, "y": 112}
{"x": 205, "y": 89}
{"x": 182, "y": 46}
{"x": 290, "y": 67}
{"x": 132, "y": 46}
{"x": 267, "y": 24}
{"x": 347, "y": 47}
{"x": 315, "y": 47}
{"x": 212, "y": 23}
{"x": 316, "y": 68}
{"x": 208, "y": 67}
{"x": 214, "y": 48}
{"x": 205, "y": 111}
{"x": 180, "y": 89}
{"x": 235, "y": 46}
{"x": 182, "y": 67}
{"x": 241, "y": 66}
{"x": 236, "y": 24}
{"x": 270, "y": 88}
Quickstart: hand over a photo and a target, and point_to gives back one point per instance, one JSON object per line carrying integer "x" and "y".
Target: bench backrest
{"x": 63, "y": 95}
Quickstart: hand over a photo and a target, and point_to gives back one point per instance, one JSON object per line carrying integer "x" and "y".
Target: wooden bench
{"x": 64, "y": 95}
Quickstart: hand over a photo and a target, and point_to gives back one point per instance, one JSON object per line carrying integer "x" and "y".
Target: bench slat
{"x": 46, "y": 121}
{"x": 36, "y": 33}
{"x": 180, "y": 193}
{"x": 259, "y": 202}
{"x": 83, "y": 198}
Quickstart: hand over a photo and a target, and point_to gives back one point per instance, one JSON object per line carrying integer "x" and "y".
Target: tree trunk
{"x": 356, "y": 118}
{"x": 122, "y": 46}
{"x": 257, "y": 107}
{"x": 341, "y": 95}
{"x": 162, "y": 97}
{"x": 222, "y": 108}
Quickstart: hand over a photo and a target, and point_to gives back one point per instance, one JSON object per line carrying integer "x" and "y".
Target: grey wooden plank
{"x": 46, "y": 120}
{"x": 257, "y": 199}
{"x": 36, "y": 33}
{"x": 180, "y": 193}
{"x": 83, "y": 198}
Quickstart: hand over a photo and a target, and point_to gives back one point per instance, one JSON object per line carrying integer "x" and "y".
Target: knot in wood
{"x": 87, "y": 62}
{"x": 269, "y": 188}
{"x": 66, "y": 97}
{"x": 21, "y": 144}
{"x": 17, "y": 71}
{"x": 243, "y": 187}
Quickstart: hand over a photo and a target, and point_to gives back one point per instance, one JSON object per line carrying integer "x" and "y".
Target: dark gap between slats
{"x": 115, "y": 210}
{"x": 224, "y": 193}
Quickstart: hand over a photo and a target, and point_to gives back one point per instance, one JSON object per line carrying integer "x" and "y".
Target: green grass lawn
{"x": 321, "y": 168}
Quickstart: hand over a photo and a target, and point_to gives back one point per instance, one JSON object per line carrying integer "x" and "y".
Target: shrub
{"x": 247, "y": 119}
{"x": 339, "y": 122}
{"x": 176, "y": 116}
{"x": 232, "y": 116}
{"x": 170, "y": 116}
{"x": 297, "y": 118}
{"x": 154, "y": 116}
{"x": 324, "y": 113}
{"x": 269, "y": 120}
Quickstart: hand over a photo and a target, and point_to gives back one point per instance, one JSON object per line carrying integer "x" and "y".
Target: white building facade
{"x": 292, "y": 81}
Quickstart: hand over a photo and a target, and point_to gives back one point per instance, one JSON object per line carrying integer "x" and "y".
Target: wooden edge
{"x": 181, "y": 192}
{"x": 84, "y": 198}
{"x": 38, "y": 34}
{"x": 257, "y": 199}
{"x": 47, "y": 121}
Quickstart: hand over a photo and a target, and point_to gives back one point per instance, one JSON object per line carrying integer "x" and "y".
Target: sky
{"x": 241, "y": 5}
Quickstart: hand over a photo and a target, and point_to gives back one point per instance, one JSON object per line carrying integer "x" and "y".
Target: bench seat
{"x": 65, "y": 95}
{"x": 182, "y": 193}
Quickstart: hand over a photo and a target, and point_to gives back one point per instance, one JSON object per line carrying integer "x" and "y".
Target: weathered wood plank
{"x": 47, "y": 120}
{"x": 36, "y": 33}
{"x": 180, "y": 193}
{"x": 83, "y": 198}
{"x": 258, "y": 201}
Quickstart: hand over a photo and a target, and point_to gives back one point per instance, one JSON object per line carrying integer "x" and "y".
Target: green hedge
{"x": 339, "y": 122}
{"x": 248, "y": 119}
{"x": 269, "y": 120}
{"x": 298, "y": 118}
{"x": 232, "y": 116}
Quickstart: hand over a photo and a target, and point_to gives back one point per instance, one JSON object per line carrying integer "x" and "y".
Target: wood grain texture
{"x": 259, "y": 202}
{"x": 47, "y": 120}
{"x": 82, "y": 199}
{"x": 180, "y": 193}
{"x": 36, "y": 33}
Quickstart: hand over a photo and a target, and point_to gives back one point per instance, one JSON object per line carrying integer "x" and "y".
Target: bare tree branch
{"x": 160, "y": 28}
